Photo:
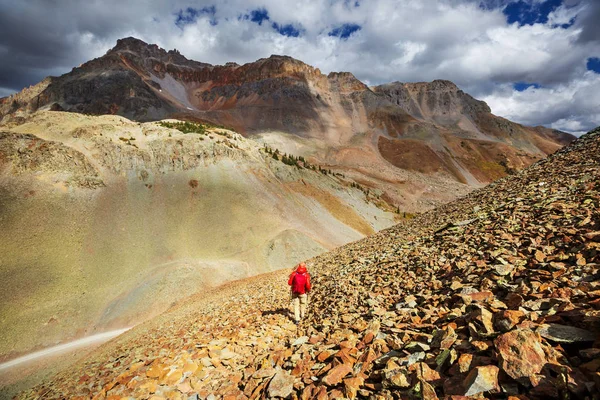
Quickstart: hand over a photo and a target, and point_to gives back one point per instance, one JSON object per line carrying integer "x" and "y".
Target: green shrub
{"x": 185, "y": 127}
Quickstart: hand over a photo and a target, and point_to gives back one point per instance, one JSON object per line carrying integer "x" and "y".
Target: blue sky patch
{"x": 259, "y": 15}
{"x": 190, "y": 15}
{"x": 351, "y": 3}
{"x": 593, "y": 64}
{"x": 521, "y": 86}
{"x": 286, "y": 30}
{"x": 530, "y": 13}
{"x": 345, "y": 30}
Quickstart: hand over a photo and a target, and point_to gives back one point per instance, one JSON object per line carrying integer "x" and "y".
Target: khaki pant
{"x": 300, "y": 302}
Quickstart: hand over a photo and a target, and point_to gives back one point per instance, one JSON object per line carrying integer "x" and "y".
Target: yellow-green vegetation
{"x": 185, "y": 126}
{"x": 491, "y": 169}
{"x": 299, "y": 162}
{"x": 196, "y": 127}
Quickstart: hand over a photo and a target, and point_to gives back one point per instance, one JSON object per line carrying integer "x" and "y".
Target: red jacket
{"x": 300, "y": 281}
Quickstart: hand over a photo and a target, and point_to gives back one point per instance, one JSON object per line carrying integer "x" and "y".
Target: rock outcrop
{"x": 475, "y": 298}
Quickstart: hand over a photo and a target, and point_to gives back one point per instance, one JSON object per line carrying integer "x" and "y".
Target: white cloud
{"x": 405, "y": 40}
{"x": 574, "y": 107}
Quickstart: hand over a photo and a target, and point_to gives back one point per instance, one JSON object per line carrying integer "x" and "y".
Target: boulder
{"x": 520, "y": 353}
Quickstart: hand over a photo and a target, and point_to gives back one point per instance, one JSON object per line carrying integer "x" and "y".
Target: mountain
{"x": 493, "y": 295}
{"x": 105, "y": 222}
{"x": 418, "y": 144}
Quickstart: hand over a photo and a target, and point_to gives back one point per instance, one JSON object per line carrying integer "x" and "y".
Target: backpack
{"x": 299, "y": 283}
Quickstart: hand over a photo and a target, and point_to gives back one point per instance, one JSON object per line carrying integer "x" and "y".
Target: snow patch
{"x": 174, "y": 88}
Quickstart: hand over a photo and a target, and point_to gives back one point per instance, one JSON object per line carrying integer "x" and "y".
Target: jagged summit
{"x": 133, "y": 44}
{"x": 493, "y": 295}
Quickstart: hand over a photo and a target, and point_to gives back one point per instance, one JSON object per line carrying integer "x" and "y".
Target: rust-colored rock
{"x": 520, "y": 353}
{"x": 336, "y": 374}
{"x": 507, "y": 319}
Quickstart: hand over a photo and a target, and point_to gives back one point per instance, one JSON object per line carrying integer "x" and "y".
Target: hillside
{"x": 106, "y": 222}
{"x": 493, "y": 295}
{"x": 421, "y": 144}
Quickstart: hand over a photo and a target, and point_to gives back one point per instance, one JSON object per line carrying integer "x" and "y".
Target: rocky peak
{"x": 138, "y": 48}
{"x": 438, "y": 85}
{"x": 346, "y": 82}
{"x": 132, "y": 44}
{"x": 277, "y": 66}
{"x": 443, "y": 96}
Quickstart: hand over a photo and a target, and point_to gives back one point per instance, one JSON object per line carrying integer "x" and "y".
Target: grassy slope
{"x": 76, "y": 261}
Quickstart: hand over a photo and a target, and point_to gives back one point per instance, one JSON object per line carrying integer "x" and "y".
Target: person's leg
{"x": 303, "y": 304}
{"x": 296, "y": 301}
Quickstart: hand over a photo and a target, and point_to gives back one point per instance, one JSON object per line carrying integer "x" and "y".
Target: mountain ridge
{"x": 459, "y": 141}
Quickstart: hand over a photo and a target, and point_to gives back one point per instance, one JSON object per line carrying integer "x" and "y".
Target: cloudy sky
{"x": 534, "y": 61}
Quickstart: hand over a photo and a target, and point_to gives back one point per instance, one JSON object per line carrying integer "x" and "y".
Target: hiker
{"x": 300, "y": 283}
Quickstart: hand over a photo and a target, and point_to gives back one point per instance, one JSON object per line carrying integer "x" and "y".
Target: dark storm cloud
{"x": 590, "y": 23}
{"x": 39, "y": 40}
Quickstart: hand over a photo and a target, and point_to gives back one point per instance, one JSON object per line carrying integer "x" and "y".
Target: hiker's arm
{"x": 291, "y": 278}
{"x": 307, "y": 282}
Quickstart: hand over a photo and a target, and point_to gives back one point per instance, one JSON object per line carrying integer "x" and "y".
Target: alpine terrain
{"x": 142, "y": 178}
{"x": 106, "y": 222}
{"x": 494, "y": 295}
{"x": 420, "y": 144}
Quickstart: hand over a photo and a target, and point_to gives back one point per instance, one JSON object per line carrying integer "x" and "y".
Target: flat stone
{"x": 505, "y": 320}
{"x": 414, "y": 347}
{"x": 427, "y": 391}
{"x": 398, "y": 378}
{"x": 425, "y": 373}
{"x": 352, "y": 386}
{"x": 300, "y": 341}
{"x": 444, "y": 338}
{"x": 415, "y": 357}
{"x": 481, "y": 379}
{"x": 456, "y": 285}
{"x": 226, "y": 354}
{"x": 503, "y": 269}
{"x": 565, "y": 334}
{"x": 336, "y": 374}
{"x": 481, "y": 296}
{"x": 281, "y": 385}
{"x": 264, "y": 373}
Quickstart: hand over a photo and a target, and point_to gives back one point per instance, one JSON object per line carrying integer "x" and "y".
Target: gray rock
{"x": 504, "y": 269}
{"x": 415, "y": 358}
{"x": 565, "y": 334}
{"x": 415, "y": 347}
{"x": 300, "y": 341}
{"x": 481, "y": 379}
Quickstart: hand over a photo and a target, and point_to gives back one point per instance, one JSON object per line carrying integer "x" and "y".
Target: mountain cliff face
{"x": 417, "y": 143}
